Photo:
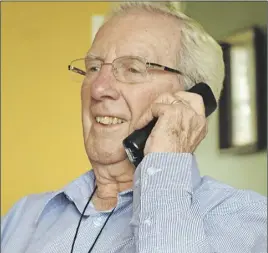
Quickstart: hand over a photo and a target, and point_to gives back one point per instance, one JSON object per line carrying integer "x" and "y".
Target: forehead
{"x": 152, "y": 36}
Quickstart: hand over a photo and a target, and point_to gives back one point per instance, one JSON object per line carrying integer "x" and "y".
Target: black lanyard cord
{"x": 80, "y": 220}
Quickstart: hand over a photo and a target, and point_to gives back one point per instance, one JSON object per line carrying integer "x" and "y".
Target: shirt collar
{"x": 80, "y": 189}
{"x": 78, "y": 192}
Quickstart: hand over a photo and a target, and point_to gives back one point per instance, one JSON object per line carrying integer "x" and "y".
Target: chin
{"x": 106, "y": 151}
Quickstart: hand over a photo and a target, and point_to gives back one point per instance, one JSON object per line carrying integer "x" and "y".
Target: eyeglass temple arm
{"x": 161, "y": 67}
{"x": 76, "y": 70}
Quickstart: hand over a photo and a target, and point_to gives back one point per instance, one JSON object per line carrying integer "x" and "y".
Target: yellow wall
{"x": 42, "y": 146}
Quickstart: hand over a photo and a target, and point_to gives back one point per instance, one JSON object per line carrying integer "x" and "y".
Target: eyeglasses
{"x": 126, "y": 69}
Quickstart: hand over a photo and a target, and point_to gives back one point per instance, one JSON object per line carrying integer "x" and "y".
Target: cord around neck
{"x": 80, "y": 220}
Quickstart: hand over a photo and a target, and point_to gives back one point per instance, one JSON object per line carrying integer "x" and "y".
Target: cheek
{"x": 85, "y": 107}
{"x": 142, "y": 96}
{"x": 85, "y": 96}
{"x": 140, "y": 100}
{"x": 166, "y": 82}
{"x": 85, "y": 93}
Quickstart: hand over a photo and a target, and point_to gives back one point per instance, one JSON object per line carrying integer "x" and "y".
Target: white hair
{"x": 199, "y": 56}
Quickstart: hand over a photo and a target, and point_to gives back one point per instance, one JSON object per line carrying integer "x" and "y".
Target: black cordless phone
{"x": 134, "y": 144}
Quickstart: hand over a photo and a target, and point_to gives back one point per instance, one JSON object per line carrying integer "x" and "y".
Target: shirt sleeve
{"x": 171, "y": 214}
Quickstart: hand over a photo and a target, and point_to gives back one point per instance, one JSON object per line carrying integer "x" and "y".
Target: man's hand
{"x": 181, "y": 123}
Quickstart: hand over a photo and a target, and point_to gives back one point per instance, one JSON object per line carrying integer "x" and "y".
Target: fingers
{"x": 193, "y": 100}
{"x": 181, "y": 123}
{"x": 162, "y": 104}
{"x": 155, "y": 111}
{"x": 199, "y": 131}
{"x": 148, "y": 115}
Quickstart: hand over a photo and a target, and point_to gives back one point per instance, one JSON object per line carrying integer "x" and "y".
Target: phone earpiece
{"x": 134, "y": 144}
{"x": 206, "y": 93}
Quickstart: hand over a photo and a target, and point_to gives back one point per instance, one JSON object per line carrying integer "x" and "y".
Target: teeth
{"x": 109, "y": 120}
{"x": 114, "y": 120}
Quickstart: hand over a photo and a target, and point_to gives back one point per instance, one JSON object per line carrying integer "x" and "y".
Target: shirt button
{"x": 137, "y": 183}
{"x": 147, "y": 221}
{"x": 152, "y": 171}
{"x": 98, "y": 222}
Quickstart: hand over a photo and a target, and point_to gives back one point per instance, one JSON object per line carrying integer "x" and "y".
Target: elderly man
{"x": 163, "y": 205}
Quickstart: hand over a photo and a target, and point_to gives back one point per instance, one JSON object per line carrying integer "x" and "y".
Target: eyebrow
{"x": 95, "y": 56}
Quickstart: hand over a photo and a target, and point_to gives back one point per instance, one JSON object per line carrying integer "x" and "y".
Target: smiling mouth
{"x": 107, "y": 120}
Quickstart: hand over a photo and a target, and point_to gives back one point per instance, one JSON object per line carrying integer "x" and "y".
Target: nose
{"x": 105, "y": 85}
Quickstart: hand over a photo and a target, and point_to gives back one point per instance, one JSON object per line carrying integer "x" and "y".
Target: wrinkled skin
{"x": 181, "y": 125}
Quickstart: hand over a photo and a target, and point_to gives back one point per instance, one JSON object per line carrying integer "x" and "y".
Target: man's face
{"x": 150, "y": 36}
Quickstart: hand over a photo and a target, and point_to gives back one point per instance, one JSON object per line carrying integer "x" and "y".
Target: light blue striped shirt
{"x": 171, "y": 209}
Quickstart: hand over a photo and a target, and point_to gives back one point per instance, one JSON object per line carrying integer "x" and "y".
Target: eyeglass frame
{"x": 149, "y": 65}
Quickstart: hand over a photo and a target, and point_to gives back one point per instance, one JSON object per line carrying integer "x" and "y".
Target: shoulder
{"x": 220, "y": 198}
{"x": 234, "y": 216}
{"x": 29, "y": 202}
{"x": 28, "y": 207}
{"x": 32, "y": 206}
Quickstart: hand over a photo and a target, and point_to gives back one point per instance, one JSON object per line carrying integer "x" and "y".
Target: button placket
{"x": 147, "y": 221}
{"x": 137, "y": 183}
